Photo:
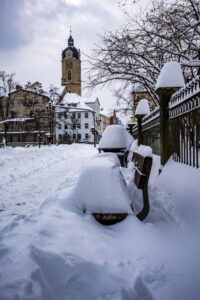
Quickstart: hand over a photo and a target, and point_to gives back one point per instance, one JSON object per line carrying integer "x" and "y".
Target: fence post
{"x": 140, "y": 135}
{"x": 141, "y": 111}
{"x": 169, "y": 81}
{"x": 164, "y": 96}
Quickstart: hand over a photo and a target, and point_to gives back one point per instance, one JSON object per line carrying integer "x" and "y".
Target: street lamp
{"x": 50, "y": 122}
{"x": 169, "y": 81}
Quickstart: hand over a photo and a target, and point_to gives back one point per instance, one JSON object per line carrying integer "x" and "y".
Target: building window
{"x": 66, "y": 126}
{"x": 79, "y": 136}
{"x": 79, "y": 115}
{"x": 60, "y": 137}
{"x": 86, "y": 125}
{"x": 69, "y": 65}
{"x": 86, "y": 115}
{"x": 86, "y": 136}
{"x": 79, "y": 125}
{"x": 59, "y": 126}
{"x": 69, "y": 75}
{"x": 74, "y": 115}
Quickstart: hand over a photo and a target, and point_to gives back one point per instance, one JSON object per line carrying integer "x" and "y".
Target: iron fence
{"x": 184, "y": 125}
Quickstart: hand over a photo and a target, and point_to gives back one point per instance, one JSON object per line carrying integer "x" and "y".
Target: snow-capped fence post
{"x": 141, "y": 111}
{"x": 169, "y": 81}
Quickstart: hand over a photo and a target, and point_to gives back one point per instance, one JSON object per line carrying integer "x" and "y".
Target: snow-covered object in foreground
{"x": 145, "y": 151}
{"x": 142, "y": 108}
{"x": 115, "y": 137}
{"x": 138, "y": 292}
{"x": 171, "y": 76}
{"x": 101, "y": 187}
{"x": 129, "y": 140}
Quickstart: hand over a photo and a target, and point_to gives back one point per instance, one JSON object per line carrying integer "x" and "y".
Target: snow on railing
{"x": 153, "y": 115}
{"x": 189, "y": 90}
{"x": 176, "y": 104}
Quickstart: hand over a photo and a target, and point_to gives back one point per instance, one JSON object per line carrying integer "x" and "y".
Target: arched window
{"x": 69, "y": 75}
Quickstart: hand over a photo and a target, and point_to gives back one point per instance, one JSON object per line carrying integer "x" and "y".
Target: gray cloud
{"x": 17, "y": 27}
{"x": 34, "y": 32}
{"x": 11, "y": 33}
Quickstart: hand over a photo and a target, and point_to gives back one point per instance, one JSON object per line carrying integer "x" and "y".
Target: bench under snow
{"x": 116, "y": 139}
{"x": 101, "y": 189}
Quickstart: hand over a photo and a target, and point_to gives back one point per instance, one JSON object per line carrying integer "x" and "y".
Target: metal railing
{"x": 184, "y": 123}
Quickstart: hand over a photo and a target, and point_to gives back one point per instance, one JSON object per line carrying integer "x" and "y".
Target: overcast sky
{"x": 34, "y": 32}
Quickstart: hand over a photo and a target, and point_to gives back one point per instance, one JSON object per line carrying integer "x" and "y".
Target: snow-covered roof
{"x": 73, "y": 99}
{"x": 106, "y": 112}
{"x": 142, "y": 107}
{"x": 171, "y": 76}
{"x": 30, "y": 91}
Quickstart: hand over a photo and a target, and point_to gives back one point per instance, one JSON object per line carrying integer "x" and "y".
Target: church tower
{"x": 71, "y": 68}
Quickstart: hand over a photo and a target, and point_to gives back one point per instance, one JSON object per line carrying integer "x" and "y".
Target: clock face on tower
{"x": 69, "y": 53}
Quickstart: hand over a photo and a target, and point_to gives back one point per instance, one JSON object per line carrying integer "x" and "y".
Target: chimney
{"x": 18, "y": 87}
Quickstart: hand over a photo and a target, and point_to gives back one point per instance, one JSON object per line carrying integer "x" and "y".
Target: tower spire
{"x": 70, "y": 39}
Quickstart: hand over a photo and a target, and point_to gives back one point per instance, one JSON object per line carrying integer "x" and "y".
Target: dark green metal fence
{"x": 184, "y": 115}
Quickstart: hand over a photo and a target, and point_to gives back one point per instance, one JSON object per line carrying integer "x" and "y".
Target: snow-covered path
{"x": 51, "y": 251}
{"x": 31, "y": 175}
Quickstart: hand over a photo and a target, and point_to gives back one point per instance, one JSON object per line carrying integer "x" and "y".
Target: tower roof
{"x": 70, "y": 41}
{"x": 75, "y": 52}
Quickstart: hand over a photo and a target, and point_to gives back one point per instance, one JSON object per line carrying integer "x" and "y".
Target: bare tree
{"x": 135, "y": 54}
{"x": 34, "y": 98}
{"x": 7, "y": 85}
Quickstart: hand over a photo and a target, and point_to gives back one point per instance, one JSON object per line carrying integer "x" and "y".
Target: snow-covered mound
{"x": 50, "y": 251}
{"x": 115, "y": 137}
{"x": 145, "y": 151}
{"x": 171, "y": 76}
{"x": 142, "y": 108}
{"x": 101, "y": 187}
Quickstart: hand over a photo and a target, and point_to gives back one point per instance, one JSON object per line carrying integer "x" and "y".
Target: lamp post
{"x": 94, "y": 129}
{"x": 169, "y": 81}
{"x": 50, "y": 122}
{"x": 141, "y": 111}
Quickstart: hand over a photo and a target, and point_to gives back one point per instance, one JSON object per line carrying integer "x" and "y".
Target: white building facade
{"x": 76, "y": 118}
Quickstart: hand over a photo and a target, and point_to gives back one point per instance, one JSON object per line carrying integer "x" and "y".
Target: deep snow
{"x": 50, "y": 250}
